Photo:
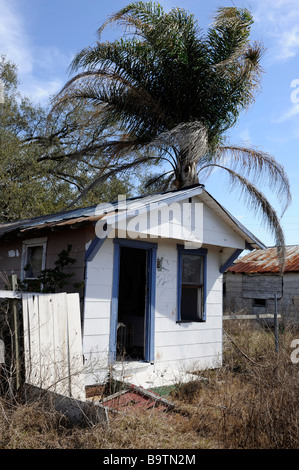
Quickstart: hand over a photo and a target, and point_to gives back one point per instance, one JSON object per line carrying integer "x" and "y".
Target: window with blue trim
{"x": 191, "y": 285}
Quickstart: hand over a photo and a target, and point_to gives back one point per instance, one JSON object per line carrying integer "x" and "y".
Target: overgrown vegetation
{"x": 250, "y": 403}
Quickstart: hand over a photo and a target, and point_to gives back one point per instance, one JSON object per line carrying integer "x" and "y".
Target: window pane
{"x": 34, "y": 261}
{"x": 192, "y": 269}
{"x": 191, "y": 304}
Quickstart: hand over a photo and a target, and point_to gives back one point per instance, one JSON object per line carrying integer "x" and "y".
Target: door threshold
{"x": 119, "y": 365}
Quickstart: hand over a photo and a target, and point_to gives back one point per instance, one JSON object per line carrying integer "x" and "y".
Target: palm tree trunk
{"x": 186, "y": 172}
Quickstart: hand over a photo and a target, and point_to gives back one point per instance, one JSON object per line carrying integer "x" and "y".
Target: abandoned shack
{"x": 251, "y": 283}
{"x": 152, "y": 269}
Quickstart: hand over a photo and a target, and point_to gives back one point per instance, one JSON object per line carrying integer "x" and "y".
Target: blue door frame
{"x": 151, "y": 249}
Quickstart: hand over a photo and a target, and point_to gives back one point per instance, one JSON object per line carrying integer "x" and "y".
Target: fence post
{"x": 276, "y": 325}
{"x": 2, "y": 352}
{"x": 16, "y": 339}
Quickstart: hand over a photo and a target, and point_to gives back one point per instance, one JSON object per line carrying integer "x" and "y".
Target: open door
{"x": 133, "y": 304}
{"x": 132, "y": 300}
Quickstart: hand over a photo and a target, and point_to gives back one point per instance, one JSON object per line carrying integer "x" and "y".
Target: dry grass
{"x": 250, "y": 403}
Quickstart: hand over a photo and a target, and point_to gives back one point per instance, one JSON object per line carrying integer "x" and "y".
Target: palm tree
{"x": 169, "y": 87}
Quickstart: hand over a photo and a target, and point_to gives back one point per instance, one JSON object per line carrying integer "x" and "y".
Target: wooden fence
{"x": 52, "y": 342}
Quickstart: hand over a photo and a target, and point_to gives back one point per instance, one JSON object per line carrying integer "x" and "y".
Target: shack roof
{"x": 93, "y": 213}
{"x": 266, "y": 261}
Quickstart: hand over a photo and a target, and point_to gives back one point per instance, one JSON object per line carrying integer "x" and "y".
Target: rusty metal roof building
{"x": 266, "y": 261}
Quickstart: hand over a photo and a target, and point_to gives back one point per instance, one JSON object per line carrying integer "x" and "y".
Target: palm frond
{"x": 258, "y": 165}
{"x": 157, "y": 182}
{"x": 257, "y": 202}
{"x": 189, "y": 138}
{"x": 136, "y": 15}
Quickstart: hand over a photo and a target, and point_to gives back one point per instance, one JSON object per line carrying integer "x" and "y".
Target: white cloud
{"x": 13, "y": 41}
{"x": 38, "y": 66}
{"x": 288, "y": 43}
{"x": 278, "y": 21}
{"x": 40, "y": 91}
{"x": 245, "y": 136}
{"x": 290, "y": 113}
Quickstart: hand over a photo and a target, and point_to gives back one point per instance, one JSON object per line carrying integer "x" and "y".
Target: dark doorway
{"x": 132, "y": 304}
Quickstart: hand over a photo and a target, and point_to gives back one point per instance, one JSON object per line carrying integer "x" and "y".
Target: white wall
{"x": 181, "y": 345}
{"x": 217, "y": 232}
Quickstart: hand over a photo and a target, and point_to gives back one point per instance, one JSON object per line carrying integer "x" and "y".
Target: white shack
{"x": 153, "y": 299}
{"x": 152, "y": 266}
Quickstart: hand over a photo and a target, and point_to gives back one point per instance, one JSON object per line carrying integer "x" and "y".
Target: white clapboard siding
{"x": 217, "y": 232}
{"x": 53, "y": 343}
{"x": 187, "y": 342}
{"x": 187, "y": 336}
{"x": 181, "y": 344}
{"x": 175, "y": 221}
{"x": 204, "y": 352}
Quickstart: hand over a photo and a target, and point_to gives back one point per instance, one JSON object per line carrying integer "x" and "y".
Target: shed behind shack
{"x": 251, "y": 283}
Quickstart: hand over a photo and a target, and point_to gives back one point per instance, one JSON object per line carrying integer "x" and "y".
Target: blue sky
{"x": 41, "y": 37}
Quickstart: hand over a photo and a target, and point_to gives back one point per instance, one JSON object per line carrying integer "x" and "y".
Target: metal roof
{"x": 266, "y": 261}
{"x": 94, "y": 213}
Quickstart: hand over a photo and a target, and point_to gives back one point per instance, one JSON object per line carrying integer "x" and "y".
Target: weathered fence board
{"x": 75, "y": 338}
{"x": 60, "y": 336}
{"x": 249, "y": 317}
{"x": 9, "y": 294}
{"x": 2, "y": 352}
{"x": 53, "y": 344}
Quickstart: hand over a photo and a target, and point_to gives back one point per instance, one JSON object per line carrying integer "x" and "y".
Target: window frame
{"x": 202, "y": 252}
{"x": 29, "y": 244}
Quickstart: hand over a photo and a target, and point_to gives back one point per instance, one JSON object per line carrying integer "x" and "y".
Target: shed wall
{"x": 97, "y": 310}
{"x": 187, "y": 344}
{"x": 242, "y": 289}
